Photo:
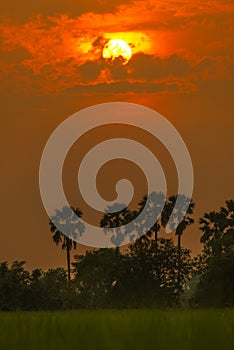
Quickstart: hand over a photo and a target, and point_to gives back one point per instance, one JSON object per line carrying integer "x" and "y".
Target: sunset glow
{"x": 66, "y": 50}
{"x": 117, "y": 48}
{"x": 138, "y": 41}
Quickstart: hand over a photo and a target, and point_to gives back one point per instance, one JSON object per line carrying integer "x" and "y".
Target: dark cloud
{"x": 118, "y": 71}
{"x": 122, "y": 87}
{"x": 150, "y": 68}
{"x": 90, "y": 71}
{"x": 20, "y": 11}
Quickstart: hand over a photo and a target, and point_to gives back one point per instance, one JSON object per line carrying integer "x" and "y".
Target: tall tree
{"x": 155, "y": 206}
{"x": 216, "y": 284}
{"x": 149, "y": 223}
{"x": 66, "y": 220}
{"x": 113, "y": 221}
{"x": 180, "y": 220}
{"x": 218, "y": 229}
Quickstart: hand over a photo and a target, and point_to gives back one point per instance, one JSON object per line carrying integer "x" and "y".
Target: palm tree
{"x": 120, "y": 216}
{"x": 155, "y": 206}
{"x": 67, "y": 221}
{"x": 218, "y": 229}
{"x": 113, "y": 221}
{"x": 180, "y": 220}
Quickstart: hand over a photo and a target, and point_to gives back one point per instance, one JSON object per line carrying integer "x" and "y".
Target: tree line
{"x": 153, "y": 272}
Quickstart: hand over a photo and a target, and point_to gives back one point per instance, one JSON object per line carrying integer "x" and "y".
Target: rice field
{"x": 128, "y": 329}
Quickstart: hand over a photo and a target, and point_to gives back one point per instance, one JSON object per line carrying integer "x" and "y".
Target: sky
{"x": 52, "y": 66}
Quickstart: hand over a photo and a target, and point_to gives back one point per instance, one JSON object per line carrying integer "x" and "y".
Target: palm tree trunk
{"x": 156, "y": 250}
{"x": 179, "y": 261}
{"x": 179, "y": 242}
{"x": 156, "y": 237}
{"x": 68, "y": 265}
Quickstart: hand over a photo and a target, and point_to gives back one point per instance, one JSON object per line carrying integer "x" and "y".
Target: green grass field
{"x": 133, "y": 329}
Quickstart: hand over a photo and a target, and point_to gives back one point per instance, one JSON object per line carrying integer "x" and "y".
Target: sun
{"x": 117, "y": 48}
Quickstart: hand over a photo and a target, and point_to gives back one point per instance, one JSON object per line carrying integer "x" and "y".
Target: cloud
{"x": 123, "y": 87}
{"x": 173, "y": 39}
{"x": 20, "y": 11}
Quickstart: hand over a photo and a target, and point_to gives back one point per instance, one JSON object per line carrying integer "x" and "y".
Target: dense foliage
{"x": 153, "y": 272}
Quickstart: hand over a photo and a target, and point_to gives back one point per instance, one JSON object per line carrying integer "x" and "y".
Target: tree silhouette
{"x": 137, "y": 223}
{"x": 67, "y": 221}
{"x": 218, "y": 229}
{"x": 113, "y": 221}
{"x": 155, "y": 206}
{"x": 96, "y": 273}
{"x": 216, "y": 284}
{"x": 180, "y": 219}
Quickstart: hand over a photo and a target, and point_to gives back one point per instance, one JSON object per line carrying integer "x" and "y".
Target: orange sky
{"x": 51, "y": 66}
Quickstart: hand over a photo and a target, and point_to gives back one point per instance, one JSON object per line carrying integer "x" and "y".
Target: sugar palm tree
{"x": 180, "y": 219}
{"x": 67, "y": 221}
{"x": 155, "y": 206}
{"x": 113, "y": 221}
{"x": 218, "y": 229}
{"x": 120, "y": 216}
